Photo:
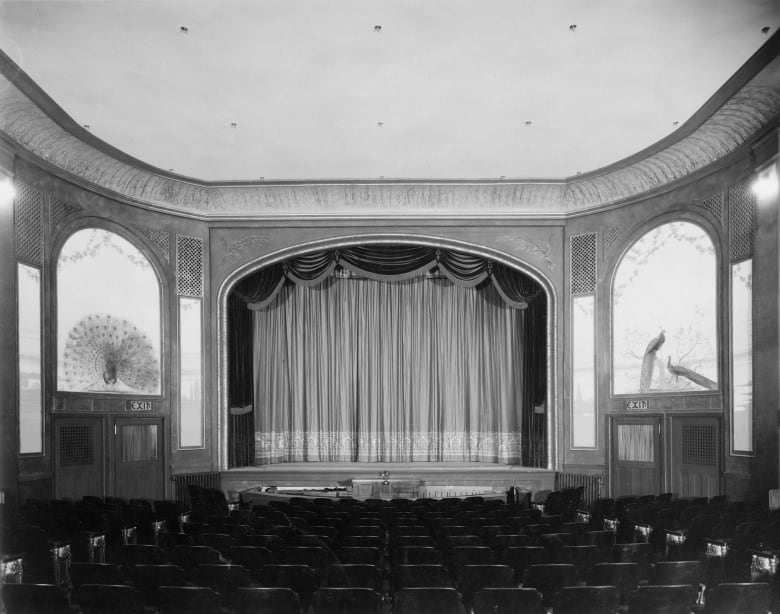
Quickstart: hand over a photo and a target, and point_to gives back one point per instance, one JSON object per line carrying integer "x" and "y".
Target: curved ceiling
{"x": 446, "y": 89}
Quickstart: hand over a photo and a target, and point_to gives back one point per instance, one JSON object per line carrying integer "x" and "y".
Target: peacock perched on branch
{"x": 105, "y": 353}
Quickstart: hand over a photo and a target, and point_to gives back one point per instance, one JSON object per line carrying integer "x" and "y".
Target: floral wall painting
{"x": 664, "y": 313}
{"x": 108, "y": 316}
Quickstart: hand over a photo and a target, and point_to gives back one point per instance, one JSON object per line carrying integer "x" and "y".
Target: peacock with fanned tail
{"x": 105, "y": 353}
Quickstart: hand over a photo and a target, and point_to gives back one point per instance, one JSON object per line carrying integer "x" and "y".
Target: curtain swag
{"x": 388, "y": 263}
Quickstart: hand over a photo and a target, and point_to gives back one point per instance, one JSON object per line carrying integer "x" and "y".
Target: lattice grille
{"x": 59, "y": 210}
{"x": 161, "y": 238}
{"x": 742, "y": 219}
{"x": 76, "y": 445}
{"x": 713, "y": 204}
{"x": 583, "y": 264}
{"x": 28, "y": 221}
{"x": 612, "y": 235}
{"x": 698, "y": 445}
{"x": 189, "y": 265}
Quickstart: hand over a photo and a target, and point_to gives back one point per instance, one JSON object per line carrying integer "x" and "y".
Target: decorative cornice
{"x": 38, "y": 128}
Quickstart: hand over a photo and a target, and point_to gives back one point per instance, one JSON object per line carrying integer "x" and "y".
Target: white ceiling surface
{"x": 452, "y": 81}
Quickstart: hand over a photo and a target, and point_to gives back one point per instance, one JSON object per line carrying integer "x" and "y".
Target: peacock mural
{"x": 104, "y": 353}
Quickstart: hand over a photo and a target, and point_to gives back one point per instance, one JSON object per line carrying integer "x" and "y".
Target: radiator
{"x": 205, "y": 479}
{"x": 591, "y": 485}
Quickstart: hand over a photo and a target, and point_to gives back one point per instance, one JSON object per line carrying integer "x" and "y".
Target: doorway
{"x": 637, "y": 467}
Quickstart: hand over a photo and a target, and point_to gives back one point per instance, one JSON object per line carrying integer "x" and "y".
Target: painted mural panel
{"x": 29, "y": 340}
{"x": 108, "y": 316}
{"x": 664, "y": 313}
{"x": 742, "y": 355}
{"x": 583, "y": 372}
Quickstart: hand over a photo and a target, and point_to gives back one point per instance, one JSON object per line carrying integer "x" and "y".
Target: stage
{"x": 412, "y": 480}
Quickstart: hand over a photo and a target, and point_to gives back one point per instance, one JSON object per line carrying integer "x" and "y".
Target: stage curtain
{"x": 388, "y": 263}
{"x": 241, "y": 419}
{"x": 416, "y": 370}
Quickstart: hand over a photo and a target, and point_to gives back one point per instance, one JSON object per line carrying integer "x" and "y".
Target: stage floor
{"x": 432, "y": 479}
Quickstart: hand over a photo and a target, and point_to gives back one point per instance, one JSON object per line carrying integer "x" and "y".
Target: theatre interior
{"x": 389, "y": 307}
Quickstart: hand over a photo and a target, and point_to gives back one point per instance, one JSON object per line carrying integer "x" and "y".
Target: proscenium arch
{"x": 717, "y": 238}
{"x": 63, "y": 235}
{"x": 232, "y": 279}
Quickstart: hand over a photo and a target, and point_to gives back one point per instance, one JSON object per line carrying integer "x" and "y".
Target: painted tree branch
{"x": 690, "y": 374}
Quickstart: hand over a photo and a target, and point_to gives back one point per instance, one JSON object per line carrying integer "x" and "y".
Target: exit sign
{"x": 140, "y": 405}
{"x": 636, "y": 404}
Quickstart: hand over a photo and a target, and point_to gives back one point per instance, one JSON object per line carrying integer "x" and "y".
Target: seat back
{"x": 520, "y": 558}
{"x": 472, "y": 578}
{"x": 28, "y": 598}
{"x": 109, "y": 599}
{"x": 550, "y": 579}
{"x": 300, "y": 578}
{"x": 641, "y": 554}
{"x": 266, "y": 600}
{"x": 412, "y": 576}
{"x": 189, "y": 557}
{"x": 142, "y": 554}
{"x": 663, "y": 599}
{"x": 96, "y": 573}
{"x": 351, "y": 575}
{"x": 469, "y": 555}
{"x": 149, "y": 578}
{"x": 251, "y": 557}
{"x": 428, "y": 600}
{"x": 224, "y": 579}
{"x": 677, "y": 572}
{"x": 623, "y": 576}
{"x": 360, "y": 554}
{"x": 343, "y": 600}
{"x": 508, "y": 601}
{"x": 416, "y": 555}
{"x": 188, "y": 599}
{"x": 586, "y": 600}
{"x": 742, "y": 597}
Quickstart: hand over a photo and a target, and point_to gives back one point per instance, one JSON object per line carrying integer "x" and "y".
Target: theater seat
{"x": 34, "y": 599}
{"x": 109, "y": 599}
{"x": 350, "y": 600}
{"x": 508, "y": 601}
{"x": 266, "y": 600}
{"x": 188, "y": 599}
{"x": 663, "y": 599}
{"x": 427, "y": 601}
{"x": 586, "y": 600}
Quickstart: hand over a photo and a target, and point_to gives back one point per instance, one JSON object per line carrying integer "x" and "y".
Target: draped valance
{"x": 389, "y": 263}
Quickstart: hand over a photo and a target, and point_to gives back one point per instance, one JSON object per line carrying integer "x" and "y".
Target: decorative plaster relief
{"x": 234, "y": 250}
{"x": 161, "y": 238}
{"x": 90, "y": 161}
{"x": 612, "y": 234}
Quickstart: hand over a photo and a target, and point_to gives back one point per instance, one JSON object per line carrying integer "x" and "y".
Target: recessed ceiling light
{"x": 86, "y": 126}
{"x": 184, "y": 29}
{"x": 527, "y": 123}
{"x": 377, "y": 28}
{"x": 170, "y": 170}
{"x": 675, "y": 123}
{"x": 380, "y": 124}
{"x": 233, "y": 124}
{"x": 765, "y": 29}
{"x": 503, "y": 177}
{"x": 572, "y": 27}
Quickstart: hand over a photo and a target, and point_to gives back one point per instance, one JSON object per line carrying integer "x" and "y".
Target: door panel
{"x": 696, "y": 456}
{"x": 138, "y": 458}
{"x": 636, "y": 456}
{"x": 78, "y": 457}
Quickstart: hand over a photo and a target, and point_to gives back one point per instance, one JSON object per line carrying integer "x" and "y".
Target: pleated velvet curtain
{"x": 363, "y": 370}
{"x": 345, "y": 367}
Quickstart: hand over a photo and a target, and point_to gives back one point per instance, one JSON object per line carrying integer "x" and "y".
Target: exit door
{"x": 138, "y": 455}
{"x": 636, "y": 456}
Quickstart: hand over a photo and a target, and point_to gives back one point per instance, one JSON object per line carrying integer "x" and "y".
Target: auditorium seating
{"x": 484, "y": 570}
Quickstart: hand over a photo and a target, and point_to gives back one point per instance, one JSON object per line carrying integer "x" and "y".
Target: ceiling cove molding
{"x": 744, "y": 107}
